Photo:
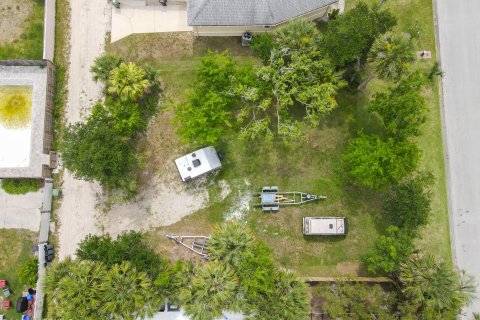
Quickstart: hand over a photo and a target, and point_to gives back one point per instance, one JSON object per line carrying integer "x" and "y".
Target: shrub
{"x": 262, "y": 46}
{"x": 21, "y": 186}
{"x": 389, "y": 251}
{"x": 28, "y": 273}
{"x": 375, "y": 163}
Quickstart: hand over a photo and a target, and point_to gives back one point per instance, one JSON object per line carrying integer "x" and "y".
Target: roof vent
{"x": 330, "y": 226}
{"x": 196, "y": 163}
{"x": 194, "y": 155}
{"x": 189, "y": 168}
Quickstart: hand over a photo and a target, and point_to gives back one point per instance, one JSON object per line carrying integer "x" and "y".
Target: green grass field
{"x": 30, "y": 43}
{"x": 313, "y": 166}
{"x": 15, "y": 249}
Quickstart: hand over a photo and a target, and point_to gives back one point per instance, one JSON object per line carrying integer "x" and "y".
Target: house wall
{"x": 227, "y": 31}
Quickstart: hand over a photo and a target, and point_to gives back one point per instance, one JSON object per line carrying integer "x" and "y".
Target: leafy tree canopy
{"x": 292, "y": 79}
{"x": 93, "y": 150}
{"x": 402, "y": 108}
{"x": 375, "y": 163}
{"x": 128, "y": 246}
{"x": 389, "y": 251}
{"x": 350, "y": 36}
{"x": 408, "y": 203}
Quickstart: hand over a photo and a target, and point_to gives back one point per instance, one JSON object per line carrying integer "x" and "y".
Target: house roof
{"x": 249, "y": 12}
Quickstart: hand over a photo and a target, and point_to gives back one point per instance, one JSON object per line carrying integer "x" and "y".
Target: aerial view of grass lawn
{"x": 315, "y": 165}
{"x": 15, "y": 250}
{"x": 21, "y": 26}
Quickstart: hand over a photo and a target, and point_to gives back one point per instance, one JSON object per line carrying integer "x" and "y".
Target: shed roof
{"x": 249, "y": 12}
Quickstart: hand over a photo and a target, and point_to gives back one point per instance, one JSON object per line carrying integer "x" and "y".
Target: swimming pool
{"x": 15, "y": 125}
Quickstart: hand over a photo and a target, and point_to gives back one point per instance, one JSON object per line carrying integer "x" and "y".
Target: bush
{"x": 389, "y": 251}
{"x": 375, "y": 163}
{"x": 262, "y": 46}
{"x": 28, "y": 273}
{"x": 21, "y": 186}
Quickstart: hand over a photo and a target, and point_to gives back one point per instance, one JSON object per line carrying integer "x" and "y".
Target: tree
{"x": 203, "y": 119}
{"x": 292, "y": 79}
{"x": 128, "y": 246}
{"x": 103, "y": 66}
{"x": 230, "y": 243}
{"x": 88, "y": 290}
{"x": 297, "y": 35}
{"x": 375, "y": 163}
{"x": 213, "y": 289}
{"x": 389, "y": 251}
{"x": 392, "y": 55}
{"x": 402, "y": 108}
{"x": 344, "y": 299}
{"x": 288, "y": 299}
{"x": 28, "y": 273}
{"x": 128, "y": 294}
{"x": 128, "y": 81}
{"x": 408, "y": 203}
{"x": 349, "y": 37}
{"x": 93, "y": 150}
{"x": 433, "y": 288}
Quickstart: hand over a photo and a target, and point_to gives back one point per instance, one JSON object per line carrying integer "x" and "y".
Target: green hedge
{"x": 21, "y": 186}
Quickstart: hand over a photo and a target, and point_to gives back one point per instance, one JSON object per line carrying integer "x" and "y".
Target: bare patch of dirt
{"x": 348, "y": 268}
{"x": 13, "y": 14}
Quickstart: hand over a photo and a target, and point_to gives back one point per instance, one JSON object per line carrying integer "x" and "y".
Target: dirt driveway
{"x": 89, "y": 22}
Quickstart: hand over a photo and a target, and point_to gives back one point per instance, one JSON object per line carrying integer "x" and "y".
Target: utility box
{"x": 198, "y": 163}
{"x": 325, "y": 226}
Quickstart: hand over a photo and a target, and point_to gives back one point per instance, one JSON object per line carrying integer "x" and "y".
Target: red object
{"x": 7, "y": 304}
{"x": 3, "y": 283}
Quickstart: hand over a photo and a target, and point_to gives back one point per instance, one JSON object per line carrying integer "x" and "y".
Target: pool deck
{"x": 37, "y": 76}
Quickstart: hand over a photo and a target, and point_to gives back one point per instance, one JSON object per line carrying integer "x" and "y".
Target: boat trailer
{"x": 271, "y": 199}
{"x": 196, "y": 244}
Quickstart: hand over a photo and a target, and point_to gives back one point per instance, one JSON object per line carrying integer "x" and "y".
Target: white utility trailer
{"x": 198, "y": 163}
{"x": 325, "y": 226}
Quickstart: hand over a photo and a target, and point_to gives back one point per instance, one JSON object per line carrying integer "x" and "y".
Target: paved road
{"x": 459, "y": 31}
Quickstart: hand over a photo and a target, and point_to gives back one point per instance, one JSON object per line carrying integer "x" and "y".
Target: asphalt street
{"x": 459, "y": 36}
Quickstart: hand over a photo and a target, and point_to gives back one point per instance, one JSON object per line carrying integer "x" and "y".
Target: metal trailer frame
{"x": 271, "y": 199}
{"x": 197, "y": 244}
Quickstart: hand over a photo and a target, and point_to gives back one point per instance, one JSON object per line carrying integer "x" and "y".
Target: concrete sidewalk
{"x": 135, "y": 17}
{"x": 20, "y": 211}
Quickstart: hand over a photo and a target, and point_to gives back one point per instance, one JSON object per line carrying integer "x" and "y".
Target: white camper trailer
{"x": 198, "y": 163}
{"x": 324, "y": 226}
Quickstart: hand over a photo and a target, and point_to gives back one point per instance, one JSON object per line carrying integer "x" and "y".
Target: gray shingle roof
{"x": 249, "y": 12}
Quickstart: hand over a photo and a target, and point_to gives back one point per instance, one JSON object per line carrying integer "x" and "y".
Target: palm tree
{"x": 434, "y": 288}
{"x": 392, "y": 55}
{"x": 73, "y": 289}
{"x": 103, "y": 65}
{"x": 298, "y": 34}
{"x": 230, "y": 243}
{"x": 128, "y": 82}
{"x": 128, "y": 294}
{"x": 212, "y": 290}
